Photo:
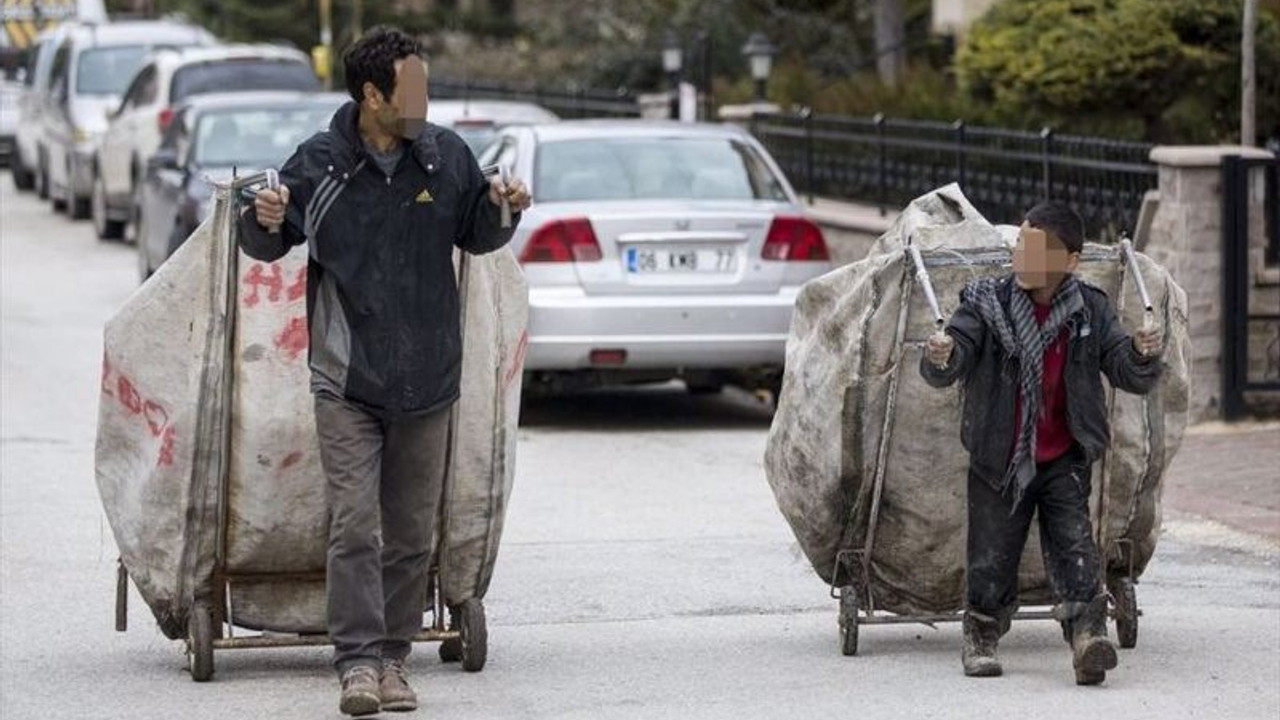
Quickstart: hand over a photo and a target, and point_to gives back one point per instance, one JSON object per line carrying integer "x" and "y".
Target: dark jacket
{"x": 382, "y": 298}
{"x": 1098, "y": 344}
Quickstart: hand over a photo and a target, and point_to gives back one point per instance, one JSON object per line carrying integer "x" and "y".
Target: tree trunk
{"x": 1248, "y": 74}
{"x": 891, "y": 51}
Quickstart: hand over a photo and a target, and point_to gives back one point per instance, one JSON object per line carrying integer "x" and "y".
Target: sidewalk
{"x": 1229, "y": 474}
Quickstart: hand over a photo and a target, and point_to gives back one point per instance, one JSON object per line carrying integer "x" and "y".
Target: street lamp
{"x": 759, "y": 51}
{"x": 672, "y": 60}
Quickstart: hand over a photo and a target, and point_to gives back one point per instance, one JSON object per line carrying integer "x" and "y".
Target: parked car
{"x": 165, "y": 80}
{"x": 10, "y": 93}
{"x": 91, "y": 69}
{"x": 29, "y": 140}
{"x": 478, "y": 121}
{"x": 657, "y": 250}
{"x": 210, "y": 138}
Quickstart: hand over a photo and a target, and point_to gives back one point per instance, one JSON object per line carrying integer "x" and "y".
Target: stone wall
{"x": 1186, "y": 237}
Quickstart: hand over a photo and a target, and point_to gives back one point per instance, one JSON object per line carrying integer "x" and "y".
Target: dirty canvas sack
{"x": 864, "y": 457}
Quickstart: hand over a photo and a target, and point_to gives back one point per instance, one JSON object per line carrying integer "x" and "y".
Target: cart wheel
{"x": 848, "y": 621}
{"x": 475, "y": 635}
{"x": 1126, "y": 596}
{"x": 451, "y": 650}
{"x": 200, "y": 643}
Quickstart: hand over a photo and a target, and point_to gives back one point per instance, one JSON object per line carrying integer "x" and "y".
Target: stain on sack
{"x": 254, "y": 353}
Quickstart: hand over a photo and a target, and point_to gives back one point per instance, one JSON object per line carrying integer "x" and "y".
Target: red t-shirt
{"x": 1053, "y": 434}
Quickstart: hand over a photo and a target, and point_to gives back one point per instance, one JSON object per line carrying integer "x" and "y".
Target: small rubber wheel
{"x": 451, "y": 650}
{"x": 1126, "y": 596}
{"x": 848, "y": 621}
{"x": 200, "y": 642}
{"x": 475, "y": 635}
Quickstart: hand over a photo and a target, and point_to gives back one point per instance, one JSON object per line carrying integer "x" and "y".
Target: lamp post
{"x": 672, "y": 60}
{"x": 759, "y": 52}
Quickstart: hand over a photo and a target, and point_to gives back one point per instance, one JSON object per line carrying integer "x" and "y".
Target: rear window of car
{"x": 108, "y": 70}
{"x": 255, "y": 137}
{"x": 242, "y": 75}
{"x": 658, "y": 168}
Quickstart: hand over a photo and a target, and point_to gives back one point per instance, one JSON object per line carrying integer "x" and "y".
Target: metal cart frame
{"x": 851, "y": 582}
{"x": 211, "y": 624}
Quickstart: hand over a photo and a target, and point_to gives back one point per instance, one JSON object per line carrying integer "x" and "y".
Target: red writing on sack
{"x": 294, "y": 338}
{"x": 153, "y": 414}
{"x": 263, "y": 279}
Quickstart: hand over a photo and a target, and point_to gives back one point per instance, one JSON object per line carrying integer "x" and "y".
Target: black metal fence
{"x": 1003, "y": 172}
{"x": 889, "y": 162}
{"x": 567, "y": 103}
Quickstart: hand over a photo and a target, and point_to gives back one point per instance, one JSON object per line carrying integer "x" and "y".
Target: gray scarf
{"x": 1025, "y": 340}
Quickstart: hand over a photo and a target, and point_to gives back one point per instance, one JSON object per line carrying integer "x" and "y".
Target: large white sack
{"x": 258, "y": 407}
{"x": 843, "y": 418}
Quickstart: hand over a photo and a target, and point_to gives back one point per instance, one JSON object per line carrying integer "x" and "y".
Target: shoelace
{"x": 395, "y": 667}
{"x": 359, "y": 674}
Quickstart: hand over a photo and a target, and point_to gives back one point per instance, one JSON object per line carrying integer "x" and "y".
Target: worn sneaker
{"x": 397, "y": 696}
{"x": 360, "y": 691}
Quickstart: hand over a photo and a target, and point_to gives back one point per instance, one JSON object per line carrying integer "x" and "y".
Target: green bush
{"x": 1170, "y": 68}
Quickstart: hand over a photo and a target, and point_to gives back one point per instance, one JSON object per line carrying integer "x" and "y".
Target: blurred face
{"x": 1040, "y": 260}
{"x": 405, "y": 113}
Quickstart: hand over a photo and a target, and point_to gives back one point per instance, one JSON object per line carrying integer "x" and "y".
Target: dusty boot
{"x": 397, "y": 696}
{"x": 1093, "y": 654}
{"x": 981, "y": 635}
{"x": 360, "y": 691}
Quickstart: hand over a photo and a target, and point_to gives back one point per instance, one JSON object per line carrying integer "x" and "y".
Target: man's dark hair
{"x": 1061, "y": 221}
{"x": 373, "y": 58}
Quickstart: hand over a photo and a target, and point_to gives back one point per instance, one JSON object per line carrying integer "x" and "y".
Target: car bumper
{"x": 693, "y": 331}
{"x": 82, "y": 170}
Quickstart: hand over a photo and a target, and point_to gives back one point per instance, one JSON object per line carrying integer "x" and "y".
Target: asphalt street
{"x": 646, "y": 572}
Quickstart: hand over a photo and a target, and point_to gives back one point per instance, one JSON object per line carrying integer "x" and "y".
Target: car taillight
{"x": 795, "y": 239}
{"x": 165, "y": 119}
{"x": 561, "y": 241}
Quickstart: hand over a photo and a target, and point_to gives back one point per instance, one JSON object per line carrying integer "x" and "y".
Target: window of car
{"x": 58, "y": 71}
{"x": 653, "y": 168}
{"x": 242, "y": 75}
{"x": 108, "y": 70}
{"x": 254, "y": 138}
{"x": 143, "y": 90}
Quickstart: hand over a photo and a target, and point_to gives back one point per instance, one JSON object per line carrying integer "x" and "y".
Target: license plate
{"x": 704, "y": 260}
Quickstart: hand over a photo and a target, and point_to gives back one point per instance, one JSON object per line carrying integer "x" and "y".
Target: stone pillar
{"x": 1186, "y": 238}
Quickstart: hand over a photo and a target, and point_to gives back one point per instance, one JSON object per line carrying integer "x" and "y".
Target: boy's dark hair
{"x": 373, "y": 58}
{"x": 1060, "y": 220}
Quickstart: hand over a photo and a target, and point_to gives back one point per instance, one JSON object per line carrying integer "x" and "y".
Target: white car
{"x": 165, "y": 80}
{"x": 90, "y": 70}
{"x": 478, "y": 121}
{"x": 657, "y": 250}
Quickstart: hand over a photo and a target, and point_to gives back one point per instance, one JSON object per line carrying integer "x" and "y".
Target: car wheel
{"x": 42, "y": 177}
{"x": 140, "y": 239}
{"x": 106, "y": 228}
{"x": 24, "y": 178}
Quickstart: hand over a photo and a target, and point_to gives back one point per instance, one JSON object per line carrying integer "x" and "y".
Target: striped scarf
{"x": 1025, "y": 340}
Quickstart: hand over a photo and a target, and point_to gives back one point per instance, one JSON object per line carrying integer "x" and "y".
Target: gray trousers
{"x": 384, "y": 482}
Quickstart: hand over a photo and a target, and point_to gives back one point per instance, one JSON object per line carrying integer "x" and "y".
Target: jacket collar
{"x": 348, "y": 149}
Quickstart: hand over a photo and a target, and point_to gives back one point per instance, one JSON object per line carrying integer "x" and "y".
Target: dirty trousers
{"x": 1060, "y": 491}
{"x": 384, "y": 481}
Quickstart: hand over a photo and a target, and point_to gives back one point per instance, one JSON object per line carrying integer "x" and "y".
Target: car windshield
{"x": 243, "y": 75}
{"x": 255, "y": 138}
{"x": 108, "y": 70}
{"x": 653, "y": 168}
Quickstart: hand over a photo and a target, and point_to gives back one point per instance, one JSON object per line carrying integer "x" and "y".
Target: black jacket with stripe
{"x": 382, "y": 296}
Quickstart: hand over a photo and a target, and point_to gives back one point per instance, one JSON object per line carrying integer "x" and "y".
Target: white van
{"x": 91, "y": 68}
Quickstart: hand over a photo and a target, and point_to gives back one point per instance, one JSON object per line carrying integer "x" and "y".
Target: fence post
{"x": 807, "y": 114}
{"x": 1234, "y": 184}
{"x": 881, "y": 190}
{"x": 958, "y": 126}
{"x": 1046, "y": 160}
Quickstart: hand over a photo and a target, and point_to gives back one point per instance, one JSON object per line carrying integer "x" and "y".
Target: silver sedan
{"x": 656, "y": 250}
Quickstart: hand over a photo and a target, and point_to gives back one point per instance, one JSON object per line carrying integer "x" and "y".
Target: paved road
{"x": 646, "y": 573}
